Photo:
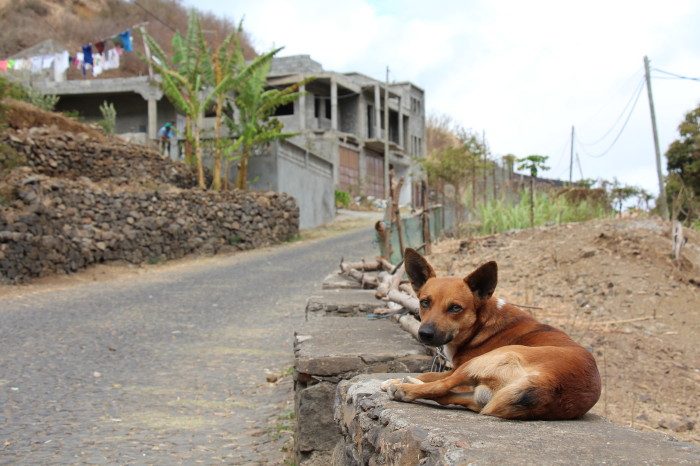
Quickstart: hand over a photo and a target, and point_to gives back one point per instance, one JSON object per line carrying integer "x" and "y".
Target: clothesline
{"x": 95, "y": 56}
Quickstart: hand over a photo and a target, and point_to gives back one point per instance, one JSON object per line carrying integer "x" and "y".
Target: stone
{"x": 342, "y": 302}
{"x": 330, "y": 349}
{"x": 378, "y": 430}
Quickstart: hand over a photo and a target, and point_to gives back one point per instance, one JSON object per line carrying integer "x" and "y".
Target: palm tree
{"x": 255, "y": 126}
{"x": 182, "y": 80}
{"x": 534, "y": 163}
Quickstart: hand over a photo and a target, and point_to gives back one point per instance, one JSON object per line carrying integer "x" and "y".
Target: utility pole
{"x": 571, "y": 160}
{"x": 387, "y": 187}
{"x": 663, "y": 207}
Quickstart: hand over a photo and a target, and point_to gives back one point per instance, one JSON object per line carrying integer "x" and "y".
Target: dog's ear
{"x": 417, "y": 268}
{"x": 482, "y": 282}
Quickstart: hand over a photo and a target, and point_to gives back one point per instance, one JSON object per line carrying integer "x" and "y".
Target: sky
{"x": 523, "y": 72}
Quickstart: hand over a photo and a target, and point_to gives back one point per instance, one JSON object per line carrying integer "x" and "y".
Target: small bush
{"x": 342, "y": 199}
{"x": 109, "y": 117}
{"x": 499, "y": 215}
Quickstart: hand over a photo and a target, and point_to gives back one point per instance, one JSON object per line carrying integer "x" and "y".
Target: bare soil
{"x": 613, "y": 286}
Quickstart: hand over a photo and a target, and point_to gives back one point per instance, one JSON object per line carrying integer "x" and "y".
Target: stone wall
{"x": 53, "y": 152}
{"x": 378, "y": 430}
{"x": 50, "y": 225}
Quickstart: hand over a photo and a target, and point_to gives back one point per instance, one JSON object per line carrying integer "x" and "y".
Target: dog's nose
{"x": 426, "y": 333}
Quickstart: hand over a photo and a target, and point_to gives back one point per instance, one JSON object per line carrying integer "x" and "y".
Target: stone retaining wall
{"x": 378, "y": 430}
{"x": 53, "y": 225}
{"x": 50, "y": 151}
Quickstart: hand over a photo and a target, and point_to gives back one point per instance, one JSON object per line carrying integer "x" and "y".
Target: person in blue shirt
{"x": 165, "y": 135}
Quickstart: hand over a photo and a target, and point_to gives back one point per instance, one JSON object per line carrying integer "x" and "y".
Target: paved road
{"x": 166, "y": 367}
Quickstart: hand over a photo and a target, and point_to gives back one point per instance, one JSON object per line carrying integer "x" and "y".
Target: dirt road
{"x": 161, "y": 368}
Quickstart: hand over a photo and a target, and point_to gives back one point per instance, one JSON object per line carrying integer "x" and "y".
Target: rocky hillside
{"x": 73, "y": 23}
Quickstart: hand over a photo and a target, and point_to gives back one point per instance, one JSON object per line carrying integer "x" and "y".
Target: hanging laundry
{"x": 112, "y": 59}
{"x": 78, "y": 60}
{"x": 60, "y": 65}
{"x": 98, "y": 61}
{"x": 36, "y": 64}
{"x": 100, "y": 46}
{"x": 125, "y": 39}
{"x": 3, "y": 66}
{"x": 87, "y": 57}
{"x": 87, "y": 54}
{"x": 47, "y": 61}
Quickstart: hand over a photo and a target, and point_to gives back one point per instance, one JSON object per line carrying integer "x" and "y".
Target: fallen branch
{"x": 409, "y": 302}
{"x": 408, "y": 323}
{"x": 363, "y": 266}
{"x": 367, "y": 281}
{"x": 624, "y": 321}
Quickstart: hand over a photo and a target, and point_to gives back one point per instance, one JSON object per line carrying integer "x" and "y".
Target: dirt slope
{"x": 613, "y": 286}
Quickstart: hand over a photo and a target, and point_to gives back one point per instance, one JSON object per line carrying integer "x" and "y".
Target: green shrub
{"x": 499, "y": 215}
{"x": 27, "y": 94}
{"x": 342, "y": 199}
{"x": 109, "y": 117}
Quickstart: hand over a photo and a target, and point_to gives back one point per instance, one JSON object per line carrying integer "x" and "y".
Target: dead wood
{"x": 363, "y": 265}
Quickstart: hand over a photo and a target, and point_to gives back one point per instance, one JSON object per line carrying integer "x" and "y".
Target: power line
{"x": 629, "y": 115}
{"x": 639, "y": 86}
{"x": 675, "y": 76}
{"x": 639, "y": 72}
{"x": 155, "y": 17}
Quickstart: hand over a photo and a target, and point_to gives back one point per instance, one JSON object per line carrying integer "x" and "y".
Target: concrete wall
{"x": 309, "y": 179}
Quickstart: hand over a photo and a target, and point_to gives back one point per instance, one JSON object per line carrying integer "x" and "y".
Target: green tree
{"x": 532, "y": 163}
{"x": 456, "y": 163}
{"x": 254, "y": 126}
{"x": 683, "y": 164}
{"x": 619, "y": 193}
{"x": 183, "y": 78}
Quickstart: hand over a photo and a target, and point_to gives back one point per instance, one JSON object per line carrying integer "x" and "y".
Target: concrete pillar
{"x": 400, "y": 125}
{"x": 361, "y": 116}
{"x": 152, "y": 118}
{"x": 377, "y": 113}
{"x": 302, "y": 108}
{"x": 334, "y": 105}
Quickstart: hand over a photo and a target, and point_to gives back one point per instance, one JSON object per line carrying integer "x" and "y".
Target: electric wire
{"x": 155, "y": 17}
{"x": 675, "y": 76}
{"x": 639, "y": 72}
{"x": 629, "y": 115}
{"x": 637, "y": 89}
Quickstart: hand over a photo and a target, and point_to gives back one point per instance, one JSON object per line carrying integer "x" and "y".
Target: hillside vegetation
{"x": 73, "y": 23}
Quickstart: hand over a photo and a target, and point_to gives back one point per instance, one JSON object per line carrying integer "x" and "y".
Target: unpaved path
{"x": 167, "y": 367}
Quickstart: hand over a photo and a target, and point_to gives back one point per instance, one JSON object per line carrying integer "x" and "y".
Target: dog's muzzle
{"x": 432, "y": 336}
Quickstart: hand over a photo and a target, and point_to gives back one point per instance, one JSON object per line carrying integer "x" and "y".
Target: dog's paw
{"x": 388, "y": 383}
{"x": 398, "y": 392}
{"x": 413, "y": 380}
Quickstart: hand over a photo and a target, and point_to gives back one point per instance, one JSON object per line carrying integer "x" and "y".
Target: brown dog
{"x": 506, "y": 363}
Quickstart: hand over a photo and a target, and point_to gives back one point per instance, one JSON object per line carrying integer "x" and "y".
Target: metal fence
{"x": 441, "y": 219}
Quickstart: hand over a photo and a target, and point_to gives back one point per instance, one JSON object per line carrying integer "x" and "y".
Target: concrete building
{"x": 339, "y": 120}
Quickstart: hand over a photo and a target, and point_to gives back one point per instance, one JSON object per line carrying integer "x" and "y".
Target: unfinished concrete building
{"x": 341, "y": 119}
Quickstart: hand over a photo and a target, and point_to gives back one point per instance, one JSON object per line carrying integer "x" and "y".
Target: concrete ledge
{"x": 330, "y": 349}
{"x": 342, "y": 302}
{"x": 378, "y": 430}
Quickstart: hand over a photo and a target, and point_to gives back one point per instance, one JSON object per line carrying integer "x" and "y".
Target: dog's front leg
{"x": 433, "y": 376}
{"x": 429, "y": 390}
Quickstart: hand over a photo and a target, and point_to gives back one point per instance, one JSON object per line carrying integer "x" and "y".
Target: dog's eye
{"x": 454, "y": 309}
{"x": 425, "y": 303}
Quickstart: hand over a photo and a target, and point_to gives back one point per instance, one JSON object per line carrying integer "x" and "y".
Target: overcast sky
{"x": 522, "y": 71}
